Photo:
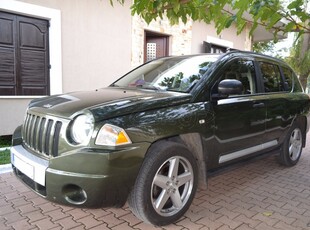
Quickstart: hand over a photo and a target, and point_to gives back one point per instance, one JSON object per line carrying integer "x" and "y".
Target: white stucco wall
{"x": 228, "y": 38}
{"x": 12, "y": 113}
{"x": 93, "y": 43}
{"x": 96, "y": 41}
{"x": 90, "y": 46}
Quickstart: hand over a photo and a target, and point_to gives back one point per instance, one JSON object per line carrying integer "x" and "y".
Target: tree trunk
{"x": 303, "y": 80}
{"x": 305, "y": 44}
{"x": 305, "y": 47}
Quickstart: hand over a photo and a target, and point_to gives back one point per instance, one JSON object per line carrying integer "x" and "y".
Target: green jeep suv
{"x": 152, "y": 136}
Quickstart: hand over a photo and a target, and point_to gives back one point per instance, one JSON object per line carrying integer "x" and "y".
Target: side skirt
{"x": 244, "y": 152}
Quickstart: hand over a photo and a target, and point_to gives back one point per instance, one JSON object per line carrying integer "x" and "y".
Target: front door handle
{"x": 259, "y": 105}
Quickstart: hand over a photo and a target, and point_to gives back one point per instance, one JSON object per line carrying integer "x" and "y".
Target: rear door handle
{"x": 259, "y": 105}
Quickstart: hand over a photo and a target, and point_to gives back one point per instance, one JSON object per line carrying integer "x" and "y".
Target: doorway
{"x": 156, "y": 45}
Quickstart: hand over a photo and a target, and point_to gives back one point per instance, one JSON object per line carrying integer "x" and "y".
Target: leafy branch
{"x": 266, "y": 13}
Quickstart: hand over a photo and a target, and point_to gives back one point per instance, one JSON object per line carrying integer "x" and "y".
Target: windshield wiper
{"x": 192, "y": 85}
{"x": 149, "y": 87}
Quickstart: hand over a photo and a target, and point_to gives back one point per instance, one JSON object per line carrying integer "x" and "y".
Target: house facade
{"x": 50, "y": 47}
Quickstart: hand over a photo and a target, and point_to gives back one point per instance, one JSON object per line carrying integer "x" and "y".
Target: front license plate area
{"x": 30, "y": 165}
{"x": 23, "y": 166}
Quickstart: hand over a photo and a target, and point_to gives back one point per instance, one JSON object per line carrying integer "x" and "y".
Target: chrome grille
{"x": 42, "y": 134}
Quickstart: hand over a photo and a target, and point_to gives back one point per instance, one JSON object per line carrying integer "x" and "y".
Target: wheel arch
{"x": 140, "y": 199}
{"x": 193, "y": 142}
{"x": 302, "y": 121}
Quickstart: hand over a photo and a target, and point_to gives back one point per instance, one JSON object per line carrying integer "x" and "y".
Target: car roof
{"x": 239, "y": 53}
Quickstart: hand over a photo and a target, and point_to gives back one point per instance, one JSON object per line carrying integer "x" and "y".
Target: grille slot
{"x": 42, "y": 134}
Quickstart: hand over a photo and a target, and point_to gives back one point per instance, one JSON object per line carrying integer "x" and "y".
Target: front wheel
{"x": 292, "y": 146}
{"x": 166, "y": 184}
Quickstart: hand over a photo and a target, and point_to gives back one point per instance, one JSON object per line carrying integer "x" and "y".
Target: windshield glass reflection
{"x": 171, "y": 73}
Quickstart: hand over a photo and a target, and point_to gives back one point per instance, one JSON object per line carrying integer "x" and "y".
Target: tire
{"x": 292, "y": 146}
{"x": 165, "y": 185}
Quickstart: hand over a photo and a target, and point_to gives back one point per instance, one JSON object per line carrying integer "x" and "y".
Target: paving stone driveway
{"x": 258, "y": 194}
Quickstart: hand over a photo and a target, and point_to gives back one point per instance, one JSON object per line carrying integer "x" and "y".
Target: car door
{"x": 239, "y": 120}
{"x": 281, "y": 104}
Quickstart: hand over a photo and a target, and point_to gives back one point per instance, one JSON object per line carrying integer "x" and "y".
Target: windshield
{"x": 171, "y": 73}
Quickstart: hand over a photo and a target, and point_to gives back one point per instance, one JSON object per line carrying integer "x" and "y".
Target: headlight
{"x": 112, "y": 135}
{"x": 82, "y": 128}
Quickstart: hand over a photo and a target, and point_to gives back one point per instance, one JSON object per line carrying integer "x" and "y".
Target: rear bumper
{"x": 106, "y": 184}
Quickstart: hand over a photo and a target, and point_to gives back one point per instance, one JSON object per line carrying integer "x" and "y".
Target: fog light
{"x": 74, "y": 194}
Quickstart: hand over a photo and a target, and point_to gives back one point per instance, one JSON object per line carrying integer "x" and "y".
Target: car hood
{"x": 108, "y": 102}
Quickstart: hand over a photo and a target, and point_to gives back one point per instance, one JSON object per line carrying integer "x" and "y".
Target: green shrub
{"x": 5, "y": 157}
{"x": 5, "y": 141}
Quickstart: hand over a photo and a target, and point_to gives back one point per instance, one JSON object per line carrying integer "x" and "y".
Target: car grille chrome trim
{"x": 41, "y": 133}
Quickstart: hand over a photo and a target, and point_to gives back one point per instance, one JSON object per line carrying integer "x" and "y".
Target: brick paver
{"x": 258, "y": 194}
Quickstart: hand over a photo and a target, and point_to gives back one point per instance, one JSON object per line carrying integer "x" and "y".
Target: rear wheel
{"x": 166, "y": 184}
{"x": 292, "y": 146}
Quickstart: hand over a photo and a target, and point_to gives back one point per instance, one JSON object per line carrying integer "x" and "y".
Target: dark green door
{"x": 239, "y": 127}
{"x": 239, "y": 123}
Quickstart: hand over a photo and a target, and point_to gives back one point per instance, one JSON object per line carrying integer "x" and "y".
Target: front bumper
{"x": 86, "y": 177}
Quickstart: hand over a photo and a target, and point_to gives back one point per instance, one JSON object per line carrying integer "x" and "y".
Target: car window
{"x": 271, "y": 77}
{"x": 297, "y": 86}
{"x": 288, "y": 78}
{"x": 243, "y": 71}
{"x": 291, "y": 80}
{"x": 174, "y": 74}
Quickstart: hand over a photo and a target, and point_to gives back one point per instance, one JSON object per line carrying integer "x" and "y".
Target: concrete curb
{"x": 5, "y": 148}
{"x": 5, "y": 168}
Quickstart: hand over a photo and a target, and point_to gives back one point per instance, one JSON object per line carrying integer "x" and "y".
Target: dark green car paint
{"x": 221, "y": 125}
{"x": 109, "y": 102}
{"x": 99, "y": 172}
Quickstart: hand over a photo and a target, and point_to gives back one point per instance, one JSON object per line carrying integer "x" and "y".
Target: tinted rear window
{"x": 291, "y": 81}
{"x": 271, "y": 77}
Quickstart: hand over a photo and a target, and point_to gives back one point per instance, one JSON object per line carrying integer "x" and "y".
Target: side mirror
{"x": 230, "y": 87}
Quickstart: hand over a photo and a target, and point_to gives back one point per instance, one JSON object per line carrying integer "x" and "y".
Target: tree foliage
{"x": 278, "y": 16}
{"x": 263, "y": 47}
{"x": 299, "y": 58}
{"x": 223, "y": 13}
